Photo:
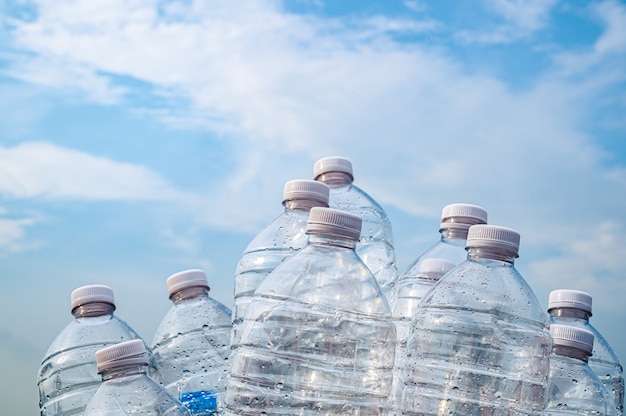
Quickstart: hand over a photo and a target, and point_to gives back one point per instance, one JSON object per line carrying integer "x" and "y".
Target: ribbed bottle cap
{"x": 334, "y": 222}
{"x": 568, "y": 298}
{"x": 121, "y": 354}
{"x": 92, "y": 294}
{"x": 571, "y": 336}
{"x": 433, "y": 267}
{"x": 306, "y": 189}
{"x": 332, "y": 164}
{"x": 462, "y": 215}
{"x": 494, "y": 236}
{"x": 186, "y": 278}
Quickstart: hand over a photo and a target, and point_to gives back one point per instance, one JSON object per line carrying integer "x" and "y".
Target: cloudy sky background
{"x": 139, "y": 138}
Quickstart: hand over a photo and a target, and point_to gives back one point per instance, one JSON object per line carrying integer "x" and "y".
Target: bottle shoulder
{"x": 287, "y": 231}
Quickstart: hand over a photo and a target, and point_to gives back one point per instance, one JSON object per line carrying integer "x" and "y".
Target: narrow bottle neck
{"x": 302, "y": 204}
{"x": 344, "y": 242}
{"x": 569, "y": 313}
{"x": 335, "y": 178}
{"x": 491, "y": 253}
{"x": 572, "y": 352}
{"x": 188, "y": 293}
{"x": 90, "y": 310}
{"x": 454, "y": 233}
{"x": 124, "y": 371}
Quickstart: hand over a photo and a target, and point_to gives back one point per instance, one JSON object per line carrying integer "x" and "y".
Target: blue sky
{"x": 140, "y": 138}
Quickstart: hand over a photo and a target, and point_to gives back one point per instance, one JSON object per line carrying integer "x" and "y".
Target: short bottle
{"x": 126, "y": 389}
{"x": 573, "y": 388}
{"x": 375, "y": 245}
{"x": 318, "y": 338}
{"x": 191, "y": 344}
{"x": 479, "y": 342}
{"x": 284, "y": 236}
{"x": 573, "y": 307}
{"x": 68, "y": 376}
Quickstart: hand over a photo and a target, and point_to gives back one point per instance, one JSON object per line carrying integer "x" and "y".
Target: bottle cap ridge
{"x": 332, "y": 164}
{"x": 306, "y": 189}
{"x": 571, "y": 336}
{"x": 569, "y": 298}
{"x": 121, "y": 354}
{"x": 92, "y": 294}
{"x": 485, "y": 235}
{"x": 186, "y": 278}
{"x": 334, "y": 222}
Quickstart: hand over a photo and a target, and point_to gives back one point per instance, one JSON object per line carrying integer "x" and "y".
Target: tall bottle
{"x": 126, "y": 388}
{"x": 573, "y": 388}
{"x": 573, "y": 307}
{"x": 479, "y": 342}
{"x": 68, "y": 376}
{"x": 375, "y": 245}
{"x": 318, "y": 338}
{"x": 191, "y": 344}
{"x": 281, "y": 238}
{"x": 409, "y": 290}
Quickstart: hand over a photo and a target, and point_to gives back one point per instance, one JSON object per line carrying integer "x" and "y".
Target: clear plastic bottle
{"x": 284, "y": 236}
{"x": 191, "y": 344}
{"x": 573, "y": 388}
{"x": 479, "y": 342}
{"x": 375, "y": 246}
{"x": 126, "y": 389}
{"x": 68, "y": 376}
{"x": 573, "y": 307}
{"x": 318, "y": 338}
{"x": 409, "y": 290}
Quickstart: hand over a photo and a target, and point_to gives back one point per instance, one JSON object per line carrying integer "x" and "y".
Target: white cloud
{"x": 13, "y": 232}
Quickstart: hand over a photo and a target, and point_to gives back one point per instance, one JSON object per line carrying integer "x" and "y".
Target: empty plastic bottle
{"x": 318, "y": 338}
{"x": 479, "y": 342}
{"x": 68, "y": 376}
{"x": 375, "y": 245}
{"x": 284, "y": 236}
{"x": 573, "y": 388}
{"x": 126, "y": 389}
{"x": 191, "y": 344}
{"x": 573, "y": 307}
{"x": 409, "y": 290}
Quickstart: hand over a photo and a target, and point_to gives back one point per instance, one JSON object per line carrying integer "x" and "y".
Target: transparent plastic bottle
{"x": 409, "y": 290}
{"x": 126, "y": 389}
{"x": 284, "y": 236}
{"x": 191, "y": 344}
{"x": 318, "y": 338}
{"x": 479, "y": 342}
{"x": 573, "y": 307}
{"x": 68, "y": 376}
{"x": 375, "y": 245}
{"x": 573, "y": 388}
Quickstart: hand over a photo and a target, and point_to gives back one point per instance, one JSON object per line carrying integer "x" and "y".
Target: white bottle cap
{"x": 462, "y": 216}
{"x": 568, "y": 298}
{"x": 92, "y": 294}
{"x": 334, "y": 222}
{"x": 306, "y": 189}
{"x": 187, "y": 278}
{"x": 571, "y": 336}
{"x": 435, "y": 268}
{"x": 494, "y": 236}
{"x": 332, "y": 164}
{"x": 121, "y": 354}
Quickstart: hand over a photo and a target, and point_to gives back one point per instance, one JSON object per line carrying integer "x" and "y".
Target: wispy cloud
{"x": 13, "y": 232}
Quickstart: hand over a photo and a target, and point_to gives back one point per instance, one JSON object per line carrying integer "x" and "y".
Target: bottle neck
{"x": 124, "y": 371}
{"x": 491, "y": 253}
{"x": 90, "y": 310}
{"x": 335, "y": 178}
{"x": 569, "y": 313}
{"x": 194, "y": 292}
{"x": 454, "y": 233}
{"x": 327, "y": 240}
{"x": 572, "y": 352}
{"x": 302, "y": 204}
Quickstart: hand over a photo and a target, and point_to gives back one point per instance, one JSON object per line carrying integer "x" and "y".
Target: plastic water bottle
{"x": 284, "y": 236}
{"x": 126, "y": 389}
{"x": 318, "y": 338}
{"x": 573, "y": 307}
{"x": 191, "y": 344}
{"x": 409, "y": 290}
{"x": 573, "y": 388}
{"x": 68, "y": 376}
{"x": 479, "y": 342}
{"x": 375, "y": 246}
